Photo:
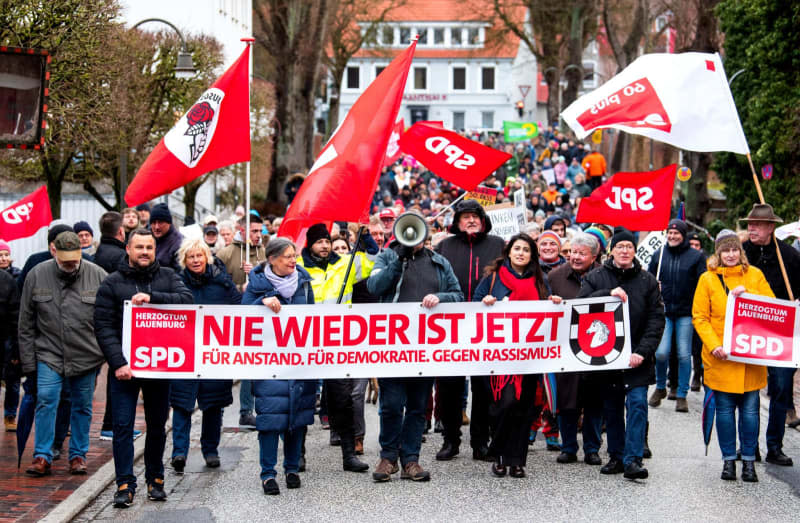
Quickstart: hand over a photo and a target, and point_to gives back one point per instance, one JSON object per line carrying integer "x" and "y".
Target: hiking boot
{"x": 247, "y": 421}
{"x": 40, "y": 467}
{"x": 178, "y": 463}
{"x": 384, "y": 470}
{"x": 11, "y": 423}
{"x": 415, "y": 472}
{"x": 729, "y": 470}
{"x": 777, "y": 457}
{"x": 656, "y": 397}
{"x": 77, "y": 466}
{"x": 155, "y": 490}
{"x": 681, "y": 405}
{"x": 749, "y": 472}
{"x": 123, "y": 498}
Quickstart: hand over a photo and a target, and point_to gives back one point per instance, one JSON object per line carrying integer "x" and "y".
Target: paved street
{"x": 684, "y": 485}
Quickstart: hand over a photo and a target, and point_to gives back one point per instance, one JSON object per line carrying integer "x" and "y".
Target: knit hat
{"x": 160, "y": 212}
{"x": 621, "y": 234}
{"x": 143, "y": 207}
{"x": 82, "y": 226}
{"x": 551, "y": 235}
{"x": 548, "y": 224}
{"x": 678, "y": 225}
{"x": 597, "y": 233}
{"x": 317, "y": 232}
{"x": 4, "y": 246}
{"x": 55, "y": 230}
{"x": 726, "y": 239}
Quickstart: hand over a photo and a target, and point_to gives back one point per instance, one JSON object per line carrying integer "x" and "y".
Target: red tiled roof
{"x": 439, "y": 11}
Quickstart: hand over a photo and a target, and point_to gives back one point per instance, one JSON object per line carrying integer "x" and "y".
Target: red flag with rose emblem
{"x": 215, "y": 132}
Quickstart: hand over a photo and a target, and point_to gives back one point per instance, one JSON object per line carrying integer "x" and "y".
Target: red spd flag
{"x": 393, "y": 151}
{"x": 638, "y": 201}
{"x": 458, "y": 160}
{"x": 762, "y": 331}
{"x": 342, "y": 181}
{"x": 215, "y": 132}
{"x": 24, "y": 218}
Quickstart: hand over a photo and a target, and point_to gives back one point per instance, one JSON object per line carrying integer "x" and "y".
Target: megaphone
{"x": 410, "y": 229}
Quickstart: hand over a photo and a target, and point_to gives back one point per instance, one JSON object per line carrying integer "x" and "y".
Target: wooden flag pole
{"x": 774, "y": 238}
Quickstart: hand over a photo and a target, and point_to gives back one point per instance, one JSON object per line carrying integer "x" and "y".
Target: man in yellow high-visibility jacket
{"x": 327, "y": 270}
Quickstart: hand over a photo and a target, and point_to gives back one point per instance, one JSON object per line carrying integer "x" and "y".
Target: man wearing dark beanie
{"x": 143, "y": 210}
{"x": 86, "y": 236}
{"x": 168, "y": 238}
{"x": 622, "y": 276}
{"x": 680, "y": 270}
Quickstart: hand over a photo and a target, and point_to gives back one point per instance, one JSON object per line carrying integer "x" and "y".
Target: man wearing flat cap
{"x": 761, "y": 252}
{"x": 58, "y": 348}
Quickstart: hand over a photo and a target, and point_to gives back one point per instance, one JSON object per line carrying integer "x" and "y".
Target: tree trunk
{"x": 54, "y": 185}
{"x": 336, "y": 95}
{"x": 553, "y": 109}
{"x": 574, "y": 57}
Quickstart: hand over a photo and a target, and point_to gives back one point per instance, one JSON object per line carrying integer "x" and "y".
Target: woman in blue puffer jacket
{"x": 209, "y": 285}
{"x": 284, "y": 408}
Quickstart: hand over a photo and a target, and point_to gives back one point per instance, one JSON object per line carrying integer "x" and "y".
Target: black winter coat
{"x": 109, "y": 253}
{"x": 681, "y": 267}
{"x": 646, "y": 316}
{"x": 469, "y": 255}
{"x": 167, "y": 249}
{"x": 9, "y": 316}
{"x": 765, "y": 258}
{"x": 162, "y": 284}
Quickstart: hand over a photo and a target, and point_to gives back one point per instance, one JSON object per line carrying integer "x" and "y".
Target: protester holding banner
{"x": 284, "y": 408}
{"x": 577, "y": 390}
{"x": 470, "y": 250}
{"x": 761, "y": 251}
{"x": 404, "y": 273}
{"x": 626, "y": 390}
{"x": 678, "y": 269}
{"x": 142, "y": 280}
{"x": 209, "y": 285}
{"x": 514, "y": 276}
{"x": 735, "y": 385}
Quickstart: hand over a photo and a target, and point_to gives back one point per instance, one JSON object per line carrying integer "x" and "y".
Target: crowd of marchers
{"x": 62, "y": 321}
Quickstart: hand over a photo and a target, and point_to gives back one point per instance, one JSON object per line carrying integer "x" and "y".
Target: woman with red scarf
{"x": 517, "y": 275}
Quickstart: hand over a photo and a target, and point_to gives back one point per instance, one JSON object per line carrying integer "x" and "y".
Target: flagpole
{"x": 774, "y": 238}
{"x": 249, "y": 41}
{"x": 445, "y": 209}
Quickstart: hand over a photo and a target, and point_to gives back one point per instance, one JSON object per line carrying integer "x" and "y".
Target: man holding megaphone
{"x": 407, "y": 272}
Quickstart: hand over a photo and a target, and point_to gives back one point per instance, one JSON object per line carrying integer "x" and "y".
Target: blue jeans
{"x": 209, "y": 433}
{"x": 247, "y": 402}
{"x": 268, "y": 451}
{"x": 747, "y": 403}
{"x": 625, "y": 432}
{"x": 779, "y": 388}
{"x": 568, "y": 425}
{"x": 401, "y": 433}
{"x": 124, "y": 397}
{"x": 683, "y": 329}
{"x": 81, "y": 389}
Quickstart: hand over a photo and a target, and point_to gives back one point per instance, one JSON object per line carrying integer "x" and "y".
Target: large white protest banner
{"x": 762, "y": 331}
{"x": 507, "y": 220}
{"x": 375, "y": 340}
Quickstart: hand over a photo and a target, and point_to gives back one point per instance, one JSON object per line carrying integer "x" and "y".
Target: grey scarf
{"x": 286, "y": 286}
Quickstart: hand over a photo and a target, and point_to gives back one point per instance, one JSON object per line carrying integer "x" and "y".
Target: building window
{"x": 455, "y": 36}
{"x": 589, "y": 81}
{"x": 438, "y": 36}
{"x": 423, "y": 35}
{"x": 458, "y": 120}
{"x": 459, "y": 78}
{"x": 387, "y": 35}
{"x": 487, "y": 78}
{"x": 405, "y": 35}
{"x": 473, "y": 36}
{"x": 379, "y": 69}
{"x": 352, "y": 78}
{"x": 487, "y": 119}
{"x": 420, "y": 78}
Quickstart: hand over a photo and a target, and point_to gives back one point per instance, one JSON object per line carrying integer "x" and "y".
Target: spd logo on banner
{"x": 762, "y": 331}
{"x": 159, "y": 343}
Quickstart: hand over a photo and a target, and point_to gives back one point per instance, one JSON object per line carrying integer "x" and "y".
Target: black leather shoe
{"x": 292, "y": 480}
{"x": 566, "y": 457}
{"x": 614, "y": 466}
{"x": 634, "y": 470}
{"x": 353, "y": 464}
{"x": 729, "y": 470}
{"x": 447, "y": 452}
{"x": 779, "y": 458}
{"x": 482, "y": 454}
{"x": 271, "y": 487}
{"x": 749, "y": 472}
{"x": 592, "y": 458}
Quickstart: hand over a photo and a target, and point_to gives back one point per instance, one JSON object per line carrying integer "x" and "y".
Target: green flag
{"x": 519, "y": 131}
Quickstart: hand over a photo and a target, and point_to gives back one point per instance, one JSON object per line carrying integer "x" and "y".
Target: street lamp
{"x": 185, "y": 66}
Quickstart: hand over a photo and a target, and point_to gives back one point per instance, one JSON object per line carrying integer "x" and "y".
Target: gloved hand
{"x": 405, "y": 252}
